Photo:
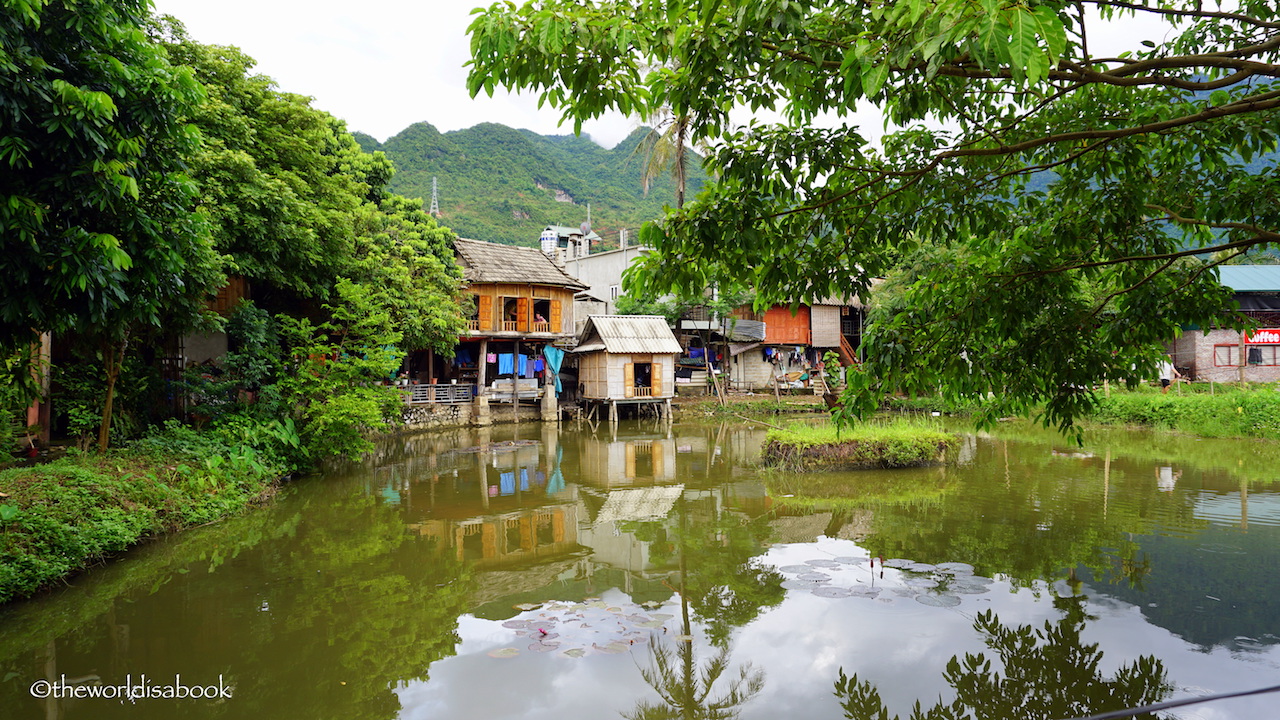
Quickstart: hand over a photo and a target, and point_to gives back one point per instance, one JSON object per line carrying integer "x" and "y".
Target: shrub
{"x": 898, "y": 444}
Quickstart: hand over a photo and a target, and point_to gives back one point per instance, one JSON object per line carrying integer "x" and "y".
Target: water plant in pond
{"x": 1040, "y": 674}
{"x": 893, "y": 445}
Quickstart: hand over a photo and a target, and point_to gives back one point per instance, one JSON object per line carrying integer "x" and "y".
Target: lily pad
{"x": 897, "y": 562}
{"x": 832, "y": 592}
{"x": 505, "y": 652}
{"x": 822, "y": 562}
{"x": 800, "y": 584}
{"x": 967, "y": 589}
{"x": 544, "y": 646}
{"x": 920, "y": 567}
{"x": 575, "y": 652}
{"x": 516, "y": 624}
{"x": 661, "y": 616}
{"x": 866, "y": 592}
{"x": 938, "y": 600}
{"x": 955, "y": 567}
{"x": 921, "y": 582}
{"x": 795, "y": 568}
{"x": 814, "y": 577}
{"x": 528, "y": 606}
{"x": 851, "y": 560}
{"x": 612, "y": 648}
{"x": 650, "y": 624}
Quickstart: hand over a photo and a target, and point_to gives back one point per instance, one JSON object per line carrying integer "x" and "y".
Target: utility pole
{"x": 435, "y": 199}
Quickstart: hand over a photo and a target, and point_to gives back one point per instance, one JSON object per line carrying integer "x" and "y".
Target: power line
{"x": 1114, "y": 714}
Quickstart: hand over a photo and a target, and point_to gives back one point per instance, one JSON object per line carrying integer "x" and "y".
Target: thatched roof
{"x": 627, "y": 334}
{"x": 484, "y": 262}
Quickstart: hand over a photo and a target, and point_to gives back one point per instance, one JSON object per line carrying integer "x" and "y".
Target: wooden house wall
{"x": 783, "y": 328}
{"x": 604, "y": 376}
{"x": 593, "y": 375}
{"x": 825, "y": 326}
{"x": 489, "y": 304}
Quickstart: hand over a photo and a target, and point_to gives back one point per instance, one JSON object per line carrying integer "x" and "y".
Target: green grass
{"x": 892, "y": 445}
{"x": 1227, "y": 413}
{"x": 60, "y": 517}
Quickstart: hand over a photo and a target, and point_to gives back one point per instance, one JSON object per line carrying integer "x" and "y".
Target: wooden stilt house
{"x": 626, "y": 360}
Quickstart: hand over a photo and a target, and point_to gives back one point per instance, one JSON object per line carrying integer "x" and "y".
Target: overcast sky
{"x": 383, "y": 65}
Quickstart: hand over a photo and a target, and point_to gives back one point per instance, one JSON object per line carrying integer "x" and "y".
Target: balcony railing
{"x": 473, "y": 325}
{"x": 426, "y": 394}
{"x": 510, "y": 326}
{"x": 643, "y": 392}
{"x": 541, "y": 327}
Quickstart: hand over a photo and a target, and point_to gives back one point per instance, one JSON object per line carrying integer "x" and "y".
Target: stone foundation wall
{"x": 415, "y": 418}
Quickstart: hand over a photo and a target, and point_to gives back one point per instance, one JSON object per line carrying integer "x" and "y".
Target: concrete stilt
{"x": 481, "y": 416}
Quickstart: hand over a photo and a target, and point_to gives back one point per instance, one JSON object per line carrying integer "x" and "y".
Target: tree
{"x": 1062, "y": 188}
{"x": 1041, "y": 673}
{"x": 98, "y": 234}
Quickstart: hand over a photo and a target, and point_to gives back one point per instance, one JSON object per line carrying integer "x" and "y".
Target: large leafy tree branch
{"x": 1037, "y": 206}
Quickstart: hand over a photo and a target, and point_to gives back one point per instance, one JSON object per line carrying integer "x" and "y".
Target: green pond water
{"x": 529, "y": 572}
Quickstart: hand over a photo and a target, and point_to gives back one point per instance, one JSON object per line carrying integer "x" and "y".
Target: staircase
{"x": 847, "y": 354}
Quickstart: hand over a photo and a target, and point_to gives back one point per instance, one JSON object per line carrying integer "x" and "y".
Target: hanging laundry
{"x": 507, "y": 482}
{"x": 462, "y": 357}
{"x": 506, "y": 364}
{"x": 491, "y": 358}
{"x": 539, "y": 365}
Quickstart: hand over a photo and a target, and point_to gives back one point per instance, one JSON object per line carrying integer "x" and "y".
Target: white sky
{"x": 383, "y": 65}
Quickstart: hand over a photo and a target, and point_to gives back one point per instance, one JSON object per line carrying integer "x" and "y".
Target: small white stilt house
{"x": 627, "y": 360}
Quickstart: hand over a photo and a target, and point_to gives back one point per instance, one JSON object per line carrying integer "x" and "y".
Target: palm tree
{"x": 684, "y": 689}
{"x": 667, "y": 147}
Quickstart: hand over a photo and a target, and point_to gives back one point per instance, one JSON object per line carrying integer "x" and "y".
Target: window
{"x": 614, "y": 291}
{"x": 1226, "y": 355}
{"x": 1261, "y": 355}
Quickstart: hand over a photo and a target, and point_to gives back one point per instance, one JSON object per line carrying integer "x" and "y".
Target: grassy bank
{"x": 892, "y": 445}
{"x": 60, "y": 517}
{"x": 1227, "y": 412}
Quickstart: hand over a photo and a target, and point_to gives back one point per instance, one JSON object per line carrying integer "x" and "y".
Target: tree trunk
{"x": 113, "y": 357}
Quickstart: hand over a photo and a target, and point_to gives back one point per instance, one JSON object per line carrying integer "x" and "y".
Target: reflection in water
{"x": 683, "y": 685}
{"x": 1039, "y": 674}
{"x": 381, "y": 591}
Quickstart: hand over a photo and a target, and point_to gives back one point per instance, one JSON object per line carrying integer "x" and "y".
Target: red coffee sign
{"x": 1270, "y": 336}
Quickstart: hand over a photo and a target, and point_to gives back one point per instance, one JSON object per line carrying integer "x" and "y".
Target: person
{"x": 1168, "y": 373}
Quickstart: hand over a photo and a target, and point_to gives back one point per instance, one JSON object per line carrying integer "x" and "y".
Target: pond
{"x": 533, "y": 572}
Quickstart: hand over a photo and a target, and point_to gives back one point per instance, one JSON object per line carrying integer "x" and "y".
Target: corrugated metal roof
{"x": 649, "y": 503}
{"x": 1250, "y": 278}
{"x": 485, "y": 262}
{"x": 742, "y": 330}
{"x": 628, "y": 334}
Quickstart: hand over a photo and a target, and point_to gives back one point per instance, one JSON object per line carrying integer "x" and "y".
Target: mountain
{"x": 504, "y": 185}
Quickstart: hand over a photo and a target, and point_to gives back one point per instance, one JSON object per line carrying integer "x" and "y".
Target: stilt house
{"x": 523, "y": 303}
{"x": 627, "y": 360}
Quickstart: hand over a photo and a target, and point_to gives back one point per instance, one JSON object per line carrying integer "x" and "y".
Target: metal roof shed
{"x": 627, "y": 359}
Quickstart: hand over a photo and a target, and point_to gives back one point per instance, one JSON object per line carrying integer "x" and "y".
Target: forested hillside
{"x": 505, "y": 185}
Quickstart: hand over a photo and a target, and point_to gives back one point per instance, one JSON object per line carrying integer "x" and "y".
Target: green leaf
{"x": 873, "y": 78}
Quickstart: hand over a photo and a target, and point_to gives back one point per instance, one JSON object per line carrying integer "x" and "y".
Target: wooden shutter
{"x": 485, "y": 306}
{"x": 656, "y": 368}
{"x": 629, "y": 380}
{"x": 557, "y": 321}
{"x": 522, "y": 314}
{"x": 631, "y": 461}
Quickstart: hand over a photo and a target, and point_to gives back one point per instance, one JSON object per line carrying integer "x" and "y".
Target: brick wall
{"x": 1205, "y": 368}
